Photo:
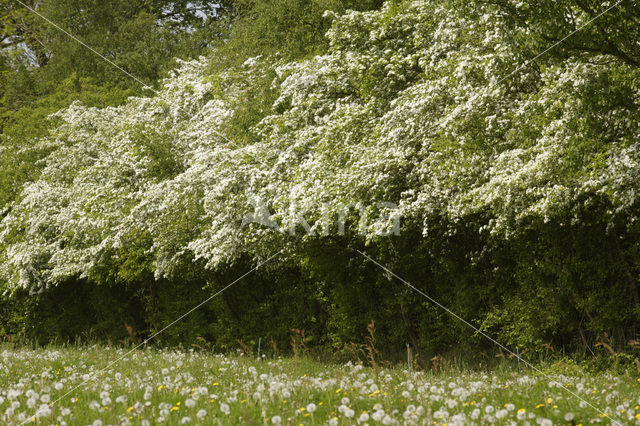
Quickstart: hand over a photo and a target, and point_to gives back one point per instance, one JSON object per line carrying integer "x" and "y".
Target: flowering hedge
{"x": 489, "y": 164}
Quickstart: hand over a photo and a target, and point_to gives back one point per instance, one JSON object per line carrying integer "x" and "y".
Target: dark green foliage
{"x": 76, "y": 311}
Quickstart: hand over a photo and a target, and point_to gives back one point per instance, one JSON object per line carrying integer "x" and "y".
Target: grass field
{"x": 151, "y": 387}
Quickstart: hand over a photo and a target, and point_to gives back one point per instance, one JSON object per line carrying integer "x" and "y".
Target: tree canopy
{"x": 514, "y": 175}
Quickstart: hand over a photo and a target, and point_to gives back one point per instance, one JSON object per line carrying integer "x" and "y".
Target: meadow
{"x": 461, "y": 173}
{"x": 151, "y": 386}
